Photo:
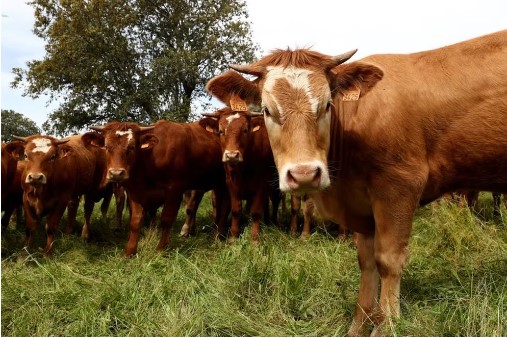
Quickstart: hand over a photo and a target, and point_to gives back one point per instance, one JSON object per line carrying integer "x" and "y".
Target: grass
{"x": 454, "y": 285}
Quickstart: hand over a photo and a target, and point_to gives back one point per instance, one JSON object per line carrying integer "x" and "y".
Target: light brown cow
{"x": 372, "y": 140}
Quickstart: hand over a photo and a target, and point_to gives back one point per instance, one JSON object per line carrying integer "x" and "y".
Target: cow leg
{"x": 167, "y": 217}
{"x": 256, "y": 212}
{"x": 496, "y": 204}
{"x": 88, "y": 210}
{"x": 223, "y": 207}
{"x": 136, "y": 218}
{"x": 276, "y": 198}
{"x": 307, "y": 217}
{"x": 52, "y": 222}
{"x": 71, "y": 214}
{"x": 393, "y": 224}
{"x": 104, "y": 206}
{"x": 236, "y": 212}
{"x": 188, "y": 228}
{"x": 295, "y": 206}
{"x": 7, "y": 216}
{"x": 368, "y": 284}
{"x": 31, "y": 223}
{"x": 119, "y": 196}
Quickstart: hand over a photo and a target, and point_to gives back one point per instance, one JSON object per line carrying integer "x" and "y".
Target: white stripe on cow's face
{"x": 41, "y": 145}
{"x": 232, "y": 118}
{"x": 129, "y": 134}
{"x": 296, "y": 77}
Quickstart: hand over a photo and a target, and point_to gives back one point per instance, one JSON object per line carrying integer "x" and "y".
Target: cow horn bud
{"x": 339, "y": 59}
{"x": 215, "y": 114}
{"x": 249, "y": 69}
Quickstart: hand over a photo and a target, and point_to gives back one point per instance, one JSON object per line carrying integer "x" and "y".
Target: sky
{"x": 328, "y": 26}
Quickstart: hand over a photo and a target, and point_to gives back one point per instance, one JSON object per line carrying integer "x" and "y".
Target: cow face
{"x": 235, "y": 130}
{"x": 122, "y": 142}
{"x": 296, "y": 91}
{"x": 42, "y": 154}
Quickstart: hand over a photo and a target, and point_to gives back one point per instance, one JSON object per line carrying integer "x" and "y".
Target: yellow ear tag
{"x": 237, "y": 104}
{"x": 351, "y": 95}
{"x": 256, "y": 128}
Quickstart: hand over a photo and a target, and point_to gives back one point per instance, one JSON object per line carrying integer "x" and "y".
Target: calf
{"x": 57, "y": 173}
{"x": 159, "y": 163}
{"x": 248, "y": 162}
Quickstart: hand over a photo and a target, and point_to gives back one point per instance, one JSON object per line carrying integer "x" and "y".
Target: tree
{"x": 137, "y": 60}
{"x": 16, "y": 124}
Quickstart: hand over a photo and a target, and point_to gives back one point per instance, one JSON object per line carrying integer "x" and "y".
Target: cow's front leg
{"x": 256, "y": 211}
{"x": 167, "y": 217}
{"x": 88, "y": 210}
{"x": 71, "y": 214}
{"x": 136, "y": 218}
{"x": 52, "y": 222}
{"x": 369, "y": 281}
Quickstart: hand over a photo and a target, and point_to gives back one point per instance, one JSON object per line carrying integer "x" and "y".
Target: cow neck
{"x": 338, "y": 154}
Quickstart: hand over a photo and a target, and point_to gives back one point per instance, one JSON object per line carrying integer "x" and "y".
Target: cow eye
{"x": 328, "y": 105}
{"x": 266, "y": 112}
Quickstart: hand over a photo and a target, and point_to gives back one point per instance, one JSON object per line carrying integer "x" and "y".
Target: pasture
{"x": 455, "y": 283}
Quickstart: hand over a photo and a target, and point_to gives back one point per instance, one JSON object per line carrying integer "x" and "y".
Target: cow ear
{"x": 257, "y": 123}
{"x": 15, "y": 149}
{"x": 148, "y": 141}
{"x": 230, "y": 84}
{"x": 354, "y": 80}
{"x": 93, "y": 139}
{"x": 64, "y": 150}
{"x": 210, "y": 124}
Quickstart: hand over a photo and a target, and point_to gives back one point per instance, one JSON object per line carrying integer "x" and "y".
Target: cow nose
{"x": 304, "y": 177}
{"x": 117, "y": 174}
{"x": 35, "y": 178}
{"x": 232, "y": 156}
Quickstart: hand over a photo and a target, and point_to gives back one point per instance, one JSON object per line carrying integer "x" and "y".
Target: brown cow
{"x": 472, "y": 196}
{"x": 248, "y": 162}
{"x": 162, "y": 162}
{"x": 372, "y": 140}
{"x": 12, "y": 193}
{"x": 57, "y": 173}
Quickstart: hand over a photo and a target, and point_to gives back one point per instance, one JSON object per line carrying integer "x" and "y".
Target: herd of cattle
{"x": 369, "y": 141}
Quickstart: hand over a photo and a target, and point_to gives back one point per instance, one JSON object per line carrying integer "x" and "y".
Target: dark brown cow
{"x": 57, "y": 173}
{"x": 372, "y": 140}
{"x": 12, "y": 193}
{"x": 161, "y": 162}
{"x": 248, "y": 162}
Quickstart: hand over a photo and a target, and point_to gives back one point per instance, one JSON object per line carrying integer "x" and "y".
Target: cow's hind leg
{"x": 52, "y": 222}
{"x": 88, "y": 210}
{"x": 195, "y": 198}
{"x": 71, "y": 214}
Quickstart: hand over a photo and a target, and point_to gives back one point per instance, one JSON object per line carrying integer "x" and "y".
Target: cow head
{"x": 123, "y": 143}
{"x": 296, "y": 90}
{"x": 235, "y": 129}
{"x": 42, "y": 153}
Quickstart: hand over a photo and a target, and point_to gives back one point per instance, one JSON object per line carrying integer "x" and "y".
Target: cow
{"x": 12, "y": 193}
{"x": 161, "y": 162}
{"x": 372, "y": 140}
{"x": 57, "y": 173}
{"x": 248, "y": 163}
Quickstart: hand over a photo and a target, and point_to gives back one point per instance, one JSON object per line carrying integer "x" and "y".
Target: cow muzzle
{"x": 232, "y": 156}
{"x": 36, "y": 179}
{"x": 304, "y": 178}
{"x": 117, "y": 175}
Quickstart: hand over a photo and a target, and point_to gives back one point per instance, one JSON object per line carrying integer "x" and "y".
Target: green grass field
{"x": 454, "y": 285}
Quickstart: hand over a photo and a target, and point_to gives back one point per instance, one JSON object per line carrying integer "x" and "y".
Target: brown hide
{"x": 12, "y": 193}
{"x": 158, "y": 165}
{"x": 68, "y": 170}
{"x": 249, "y": 165}
{"x": 398, "y": 131}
